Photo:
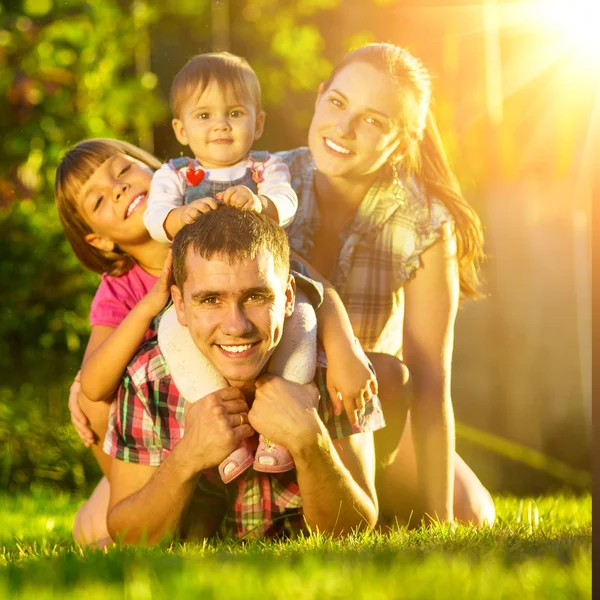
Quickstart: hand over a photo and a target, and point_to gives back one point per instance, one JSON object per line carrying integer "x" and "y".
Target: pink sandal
{"x": 237, "y": 462}
{"x": 272, "y": 458}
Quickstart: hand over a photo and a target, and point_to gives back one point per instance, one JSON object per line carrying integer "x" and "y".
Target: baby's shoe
{"x": 237, "y": 462}
{"x": 272, "y": 458}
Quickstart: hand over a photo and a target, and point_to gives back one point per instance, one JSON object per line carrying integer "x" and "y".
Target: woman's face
{"x": 355, "y": 129}
{"x": 112, "y": 202}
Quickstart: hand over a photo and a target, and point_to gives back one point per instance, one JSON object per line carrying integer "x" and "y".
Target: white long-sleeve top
{"x": 168, "y": 187}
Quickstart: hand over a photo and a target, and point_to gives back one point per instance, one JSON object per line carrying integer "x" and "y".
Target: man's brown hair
{"x": 233, "y": 234}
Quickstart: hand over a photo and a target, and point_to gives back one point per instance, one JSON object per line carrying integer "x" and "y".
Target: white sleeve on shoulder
{"x": 166, "y": 193}
{"x": 277, "y": 187}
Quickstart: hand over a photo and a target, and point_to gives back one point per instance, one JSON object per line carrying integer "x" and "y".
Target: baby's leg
{"x": 195, "y": 377}
{"x": 192, "y": 372}
{"x": 294, "y": 359}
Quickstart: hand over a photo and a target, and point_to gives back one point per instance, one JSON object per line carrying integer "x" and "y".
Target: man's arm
{"x": 147, "y": 503}
{"x": 336, "y": 478}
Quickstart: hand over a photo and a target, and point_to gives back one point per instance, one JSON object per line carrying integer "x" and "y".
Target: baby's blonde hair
{"x": 76, "y": 167}
{"x": 230, "y": 72}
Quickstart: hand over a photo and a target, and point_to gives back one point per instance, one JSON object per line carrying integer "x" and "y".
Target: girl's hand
{"x": 159, "y": 294}
{"x": 241, "y": 197}
{"x": 350, "y": 381}
{"x": 79, "y": 420}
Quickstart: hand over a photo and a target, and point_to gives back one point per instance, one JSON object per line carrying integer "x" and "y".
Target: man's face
{"x": 235, "y": 312}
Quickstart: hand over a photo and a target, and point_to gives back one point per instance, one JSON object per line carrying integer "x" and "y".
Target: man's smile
{"x": 237, "y": 350}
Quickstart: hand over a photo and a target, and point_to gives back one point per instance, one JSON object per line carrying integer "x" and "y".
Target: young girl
{"x": 101, "y": 191}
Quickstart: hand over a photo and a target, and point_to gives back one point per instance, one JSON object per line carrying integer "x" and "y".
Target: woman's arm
{"x": 110, "y": 349}
{"x": 431, "y": 304}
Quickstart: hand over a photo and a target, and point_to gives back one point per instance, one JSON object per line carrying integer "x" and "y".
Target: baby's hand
{"x": 241, "y": 197}
{"x": 196, "y": 208}
{"x": 350, "y": 381}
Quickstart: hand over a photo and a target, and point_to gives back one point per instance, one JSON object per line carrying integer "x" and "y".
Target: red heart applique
{"x": 194, "y": 176}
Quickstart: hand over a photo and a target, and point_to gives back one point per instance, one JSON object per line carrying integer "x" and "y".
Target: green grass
{"x": 539, "y": 548}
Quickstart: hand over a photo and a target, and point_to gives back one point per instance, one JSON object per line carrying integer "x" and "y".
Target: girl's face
{"x": 354, "y": 130}
{"x": 112, "y": 202}
{"x": 219, "y": 128}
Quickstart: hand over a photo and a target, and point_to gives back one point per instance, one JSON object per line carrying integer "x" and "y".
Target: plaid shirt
{"x": 146, "y": 422}
{"x": 380, "y": 252}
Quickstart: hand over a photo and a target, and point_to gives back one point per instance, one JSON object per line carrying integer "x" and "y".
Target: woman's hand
{"x": 350, "y": 381}
{"x": 79, "y": 420}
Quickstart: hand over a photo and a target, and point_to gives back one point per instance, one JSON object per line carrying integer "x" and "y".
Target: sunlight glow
{"x": 573, "y": 24}
{"x": 577, "y": 21}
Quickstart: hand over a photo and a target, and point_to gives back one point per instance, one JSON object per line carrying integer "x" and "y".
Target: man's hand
{"x": 241, "y": 197}
{"x": 214, "y": 427}
{"x": 285, "y": 412}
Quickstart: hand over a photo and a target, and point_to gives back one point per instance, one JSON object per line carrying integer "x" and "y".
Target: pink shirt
{"x": 116, "y": 296}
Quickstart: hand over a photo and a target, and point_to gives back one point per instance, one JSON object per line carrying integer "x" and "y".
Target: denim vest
{"x": 208, "y": 188}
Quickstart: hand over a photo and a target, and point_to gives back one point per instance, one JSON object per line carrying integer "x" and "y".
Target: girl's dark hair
{"x": 424, "y": 157}
{"x": 74, "y": 170}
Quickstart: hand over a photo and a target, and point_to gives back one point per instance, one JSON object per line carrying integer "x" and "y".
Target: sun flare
{"x": 575, "y": 24}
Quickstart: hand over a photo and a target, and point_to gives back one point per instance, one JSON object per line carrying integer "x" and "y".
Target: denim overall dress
{"x": 205, "y": 189}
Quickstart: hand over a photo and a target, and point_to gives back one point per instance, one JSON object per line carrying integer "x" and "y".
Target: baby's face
{"x": 218, "y": 127}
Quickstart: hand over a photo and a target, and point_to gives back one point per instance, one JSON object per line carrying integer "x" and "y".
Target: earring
{"x": 398, "y": 188}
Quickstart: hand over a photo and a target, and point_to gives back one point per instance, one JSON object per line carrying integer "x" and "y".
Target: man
{"x": 233, "y": 292}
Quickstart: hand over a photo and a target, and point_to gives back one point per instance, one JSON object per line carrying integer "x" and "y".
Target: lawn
{"x": 539, "y": 548}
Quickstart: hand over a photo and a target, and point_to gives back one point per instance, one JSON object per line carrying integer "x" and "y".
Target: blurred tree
{"x": 68, "y": 71}
{"x": 66, "y": 75}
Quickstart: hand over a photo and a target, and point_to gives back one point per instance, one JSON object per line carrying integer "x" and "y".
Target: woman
{"x": 382, "y": 217}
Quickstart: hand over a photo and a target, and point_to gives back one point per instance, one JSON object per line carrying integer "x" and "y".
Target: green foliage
{"x": 38, "y": 443}
{"x": 516, "y": 559}
{"x": 68, "y": 71}
{"x": 67, "y": 76}
{"x": 45, "y": 296}
{"x": 291, "y": 61}
{"x": 44, "y": 302}
{"x": 44, "y": 305}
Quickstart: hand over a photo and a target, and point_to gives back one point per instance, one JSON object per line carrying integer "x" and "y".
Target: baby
{"x": 216, "y": 104}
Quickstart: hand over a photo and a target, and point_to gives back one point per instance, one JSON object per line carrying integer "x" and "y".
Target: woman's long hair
{"x": 424, "y": 156}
